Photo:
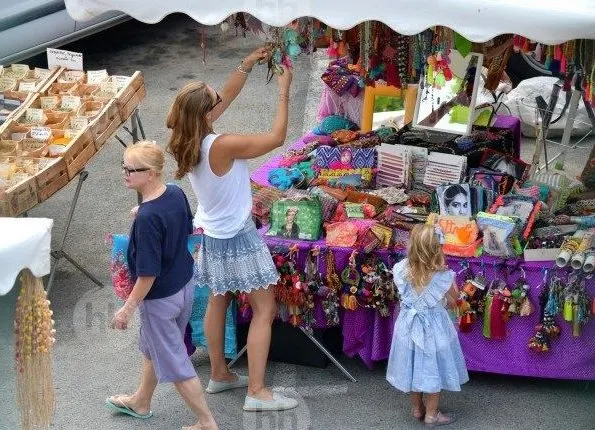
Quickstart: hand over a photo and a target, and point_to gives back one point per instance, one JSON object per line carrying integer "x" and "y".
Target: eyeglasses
{"x": 129, "y": 170}
{"x": 217, "y": 101}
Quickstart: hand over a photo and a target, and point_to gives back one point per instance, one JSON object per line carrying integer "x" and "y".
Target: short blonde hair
{"x": 424, "y": 255}
{"x": 148, "y": 154}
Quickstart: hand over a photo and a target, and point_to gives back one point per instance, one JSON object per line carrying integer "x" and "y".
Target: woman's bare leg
{"x": 194, "y": 396}
{"x": 264, "y": 310}
{"x": 215, "y": 332}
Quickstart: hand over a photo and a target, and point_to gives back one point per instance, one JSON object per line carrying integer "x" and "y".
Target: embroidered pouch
{"x": 327, "y": 201}
{"x": 344, "y": 158}
{"x": 342, "y": 234}
{"x": 461, "y": 235}
{"x": 499, "y": 235}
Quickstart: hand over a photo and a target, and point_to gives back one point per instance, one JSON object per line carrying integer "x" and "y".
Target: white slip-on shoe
{"x": 279, "y": 403}
{"x": 215, "y": 387}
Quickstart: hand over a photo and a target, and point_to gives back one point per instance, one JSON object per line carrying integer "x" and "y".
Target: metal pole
{"x": 328, "y": 354}
{"x": 60, "y": 253}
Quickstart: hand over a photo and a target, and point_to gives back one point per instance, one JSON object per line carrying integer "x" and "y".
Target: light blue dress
{"x": 425, "y": 353}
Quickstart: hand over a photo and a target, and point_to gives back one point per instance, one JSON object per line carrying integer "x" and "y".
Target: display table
{"x": 25, "y": 244}
{"x": 368, "y": 335}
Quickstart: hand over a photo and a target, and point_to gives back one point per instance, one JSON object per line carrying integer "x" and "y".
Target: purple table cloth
{"x": 368, "y": 335}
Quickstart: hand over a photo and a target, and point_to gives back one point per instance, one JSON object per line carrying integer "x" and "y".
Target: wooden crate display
{"x": 19, "y": 198}
{"x": 78, "y": 152}
{"x": 105, "y": 124}
{"x": 129, "y": 97}
{"x": 51, "y": 179}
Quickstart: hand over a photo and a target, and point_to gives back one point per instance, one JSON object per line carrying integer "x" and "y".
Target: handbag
{"x": 296, "y": 219}
{"x": 122, "y": 281}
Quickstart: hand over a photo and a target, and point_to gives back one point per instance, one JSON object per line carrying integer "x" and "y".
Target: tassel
{"x": 563, "y": 65}
{"x": 341, "y": 49}
{"x": 497, "y": 327}
{"x": 576, "y": 325}
{"x": 487, "y": 317}
{"x": 538, "y": 52}
{"x": 548, "y": 61}
{"x": 332, "y": 50}
{"x": 558, "y": 53}
{"x": 392, "y": 75}
{"x": 568, "y": 311}
{"x": 497, "y": 67}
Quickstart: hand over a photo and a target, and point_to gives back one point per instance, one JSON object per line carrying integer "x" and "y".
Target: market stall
{"x": 367, "y": 333}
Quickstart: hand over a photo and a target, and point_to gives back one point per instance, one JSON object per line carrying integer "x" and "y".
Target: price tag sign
{"x": 20, "y": 69}
{"x": 7, "y": 84}
{"x": 27, "y": 87}
{"x": 79, "y": 123}
{"x": 41, "y": 73}
{"x": 34, "y": 116}
{"x": 17, "y": 136}
{"x": 48, "y": 102}
{"x": 71, "y": 102}
{"x": 41, "y": 133}
{"x": 70, "y": 60}
{"x": 109, "y": 87}
{"x": 121, "y": 81}
{"x": 71, "y": 76}
{"x": 96, "y": 76}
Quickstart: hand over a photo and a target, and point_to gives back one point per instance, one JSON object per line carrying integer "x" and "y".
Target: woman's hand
{"x": 259, "y": 54}
{"x": 284, "y": 80}
{"x": 124, "y": 315}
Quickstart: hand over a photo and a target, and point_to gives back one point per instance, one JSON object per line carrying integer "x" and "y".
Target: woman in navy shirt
{"x": 162, "y": 267}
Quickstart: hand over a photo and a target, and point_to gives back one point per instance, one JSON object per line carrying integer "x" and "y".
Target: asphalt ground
{"x": 92, "y": 362}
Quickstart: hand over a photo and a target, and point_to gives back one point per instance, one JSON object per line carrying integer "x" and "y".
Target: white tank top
{"x": 224, "y": 202}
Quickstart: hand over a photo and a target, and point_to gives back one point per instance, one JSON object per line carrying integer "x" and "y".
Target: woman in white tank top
{"x": 232, "y": 257}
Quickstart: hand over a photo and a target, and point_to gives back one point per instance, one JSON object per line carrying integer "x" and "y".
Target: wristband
{"x": 243, "y": 69}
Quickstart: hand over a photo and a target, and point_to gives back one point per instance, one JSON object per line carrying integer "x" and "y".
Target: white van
{"x": 28, "y": 27}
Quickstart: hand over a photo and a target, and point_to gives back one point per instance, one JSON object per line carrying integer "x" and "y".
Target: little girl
{"x": 426, "y": 356}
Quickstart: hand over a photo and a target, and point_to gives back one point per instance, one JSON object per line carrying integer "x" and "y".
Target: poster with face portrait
{"x": 504, "y": 163}
{"x": 455, "y": 199}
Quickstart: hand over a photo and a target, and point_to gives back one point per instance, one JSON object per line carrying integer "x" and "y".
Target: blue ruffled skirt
{"x": 239, "y": 264}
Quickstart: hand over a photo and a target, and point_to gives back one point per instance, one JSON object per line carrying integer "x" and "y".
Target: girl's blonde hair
{"x": 424, "y": 255}
{"x": 188, "y": 122}
{"x": 147, "y": 154}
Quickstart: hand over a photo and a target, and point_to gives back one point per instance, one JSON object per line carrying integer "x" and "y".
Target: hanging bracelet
{"x": 243, "y": 69}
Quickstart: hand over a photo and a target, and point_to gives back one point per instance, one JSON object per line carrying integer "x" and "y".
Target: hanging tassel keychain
{"x": 331, "y": 303}
{"x": 487, "y": 312}
{"x": 313, "y": 283}
{"x": 351, "y": 279}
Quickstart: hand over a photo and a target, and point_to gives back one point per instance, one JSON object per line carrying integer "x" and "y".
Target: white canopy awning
{"x": 545, "y": 21}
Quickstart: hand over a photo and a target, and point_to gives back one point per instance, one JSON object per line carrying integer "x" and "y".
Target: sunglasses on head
{"x": 129, "y": 170}
{"x": 217, "y": 101}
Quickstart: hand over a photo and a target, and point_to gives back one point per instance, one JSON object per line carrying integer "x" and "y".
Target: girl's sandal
{"x": 439, "y": 420}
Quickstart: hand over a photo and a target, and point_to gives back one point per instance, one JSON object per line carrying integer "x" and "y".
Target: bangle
{"x": 243, "y": 69}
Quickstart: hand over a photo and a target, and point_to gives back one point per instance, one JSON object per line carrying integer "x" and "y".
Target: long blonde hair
{"x": 148, "y": 154}
{"x": 424, "y": 256}
{"x": 187, "y": 119}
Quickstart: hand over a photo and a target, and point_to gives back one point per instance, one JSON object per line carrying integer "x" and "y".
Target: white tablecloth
{"x": 24, "y": 243}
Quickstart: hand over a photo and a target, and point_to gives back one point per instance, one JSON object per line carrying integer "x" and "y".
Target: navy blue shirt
{"x": 159, "y": 243}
